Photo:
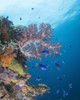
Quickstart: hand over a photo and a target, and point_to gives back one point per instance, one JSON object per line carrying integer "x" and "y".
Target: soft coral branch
{"x": 32, "y": 41}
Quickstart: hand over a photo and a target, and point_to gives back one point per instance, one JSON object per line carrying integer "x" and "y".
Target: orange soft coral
{"x": 28, "y": 76}
{"x": 7, "y": 57}
{"x": 6, "y": 60}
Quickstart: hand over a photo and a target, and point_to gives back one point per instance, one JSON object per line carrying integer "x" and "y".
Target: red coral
{"x": 32, "y": 41}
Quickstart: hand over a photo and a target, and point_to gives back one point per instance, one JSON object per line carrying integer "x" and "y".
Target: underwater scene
{"x": 39, "y": 49}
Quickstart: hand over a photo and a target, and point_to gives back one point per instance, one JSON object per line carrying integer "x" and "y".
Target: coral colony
{"x": 33, "y": 42}
{"x": 17, "y": 45}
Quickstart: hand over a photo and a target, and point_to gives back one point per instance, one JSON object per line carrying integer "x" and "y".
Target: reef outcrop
{"x": 16, "y": 43}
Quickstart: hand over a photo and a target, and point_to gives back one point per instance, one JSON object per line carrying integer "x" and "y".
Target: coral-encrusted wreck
{"x": 18, "y": 44}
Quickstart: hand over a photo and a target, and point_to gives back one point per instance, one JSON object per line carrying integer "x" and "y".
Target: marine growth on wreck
{"x": 17, "y": 45}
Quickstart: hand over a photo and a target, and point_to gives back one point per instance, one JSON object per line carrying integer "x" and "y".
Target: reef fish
{"x": 59, "y": 78}
{"x": 7, "y": 17}
{"x": 14, "y": 52}
{"x": 19, "y": 87}
{"x": 18, "y": 35}
{"x": 69, "y": 46}
{"x": 32, "y": 8}
{"x": 41, "y": 66}
{"x": 65, "y": 94}
{"x": 46, "y": 52}
{"x": 70, "y": 86}
{"x": 38, "y": 78}
{"x": 57, "y": 91}
{"x": 20, "y": 18}
{"x": 57, "y": 65}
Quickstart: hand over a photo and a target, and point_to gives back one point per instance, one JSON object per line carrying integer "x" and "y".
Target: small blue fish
{"x": 64, "y": 94}
{"x": 20, "y": 18}
{"x": 63, "y": 62}
{"x": 32, "y": 8}
{"x": 14, "y": 52}
{"x": 57, "y": 91}
{"x": 46, "y": 52}
{"x": 69, "y": 46}
{"x": 7, "y": 17}
{"x": 41, "y": 66}
{"x": 60, "y": 53}
{"x": 67, "y": 94}
{"x": 18, "y": 35}
{"x": 70, "y": 86}
{"x": 19, "y": 87}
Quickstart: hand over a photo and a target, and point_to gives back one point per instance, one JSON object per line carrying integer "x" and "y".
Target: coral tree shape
{"x": 33, "y": 41}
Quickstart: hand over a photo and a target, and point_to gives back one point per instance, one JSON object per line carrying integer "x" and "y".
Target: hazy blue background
{"x": 64, "y": 17}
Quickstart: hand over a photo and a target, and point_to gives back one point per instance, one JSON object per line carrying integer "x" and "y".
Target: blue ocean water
{"x": 64, "y": 17}
{"x": 69, "y": 35}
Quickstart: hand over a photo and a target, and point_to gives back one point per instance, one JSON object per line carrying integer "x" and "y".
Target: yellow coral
{"x": 10, "y": 80}
{"x": 14, "y": 81}
{"x": 17, "y": 67}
